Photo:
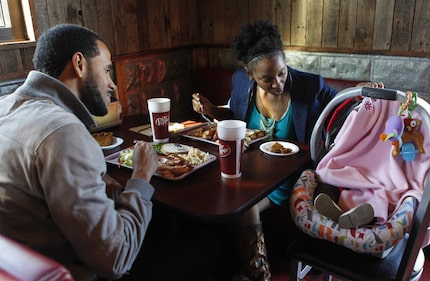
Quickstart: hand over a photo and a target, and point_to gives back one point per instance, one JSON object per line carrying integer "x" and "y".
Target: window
{"x": 15, "y": 21}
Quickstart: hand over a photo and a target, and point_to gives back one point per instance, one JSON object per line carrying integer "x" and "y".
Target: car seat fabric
{"x": 364, "y": 167}
{"x": 375, "y": 240}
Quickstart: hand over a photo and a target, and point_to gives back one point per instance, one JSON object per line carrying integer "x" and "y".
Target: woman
{"x": 268, "y": 95}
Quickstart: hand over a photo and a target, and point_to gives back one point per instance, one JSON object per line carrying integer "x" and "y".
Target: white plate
{"x": 117, "y": 141}
{"x": 174, "y": 148}
{"x": 265, "y": 147}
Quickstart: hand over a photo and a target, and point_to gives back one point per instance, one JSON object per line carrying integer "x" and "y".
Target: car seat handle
{"x": 379, "y": 93}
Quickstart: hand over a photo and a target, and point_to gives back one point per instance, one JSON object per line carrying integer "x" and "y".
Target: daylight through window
{"x": 15, "y": 21}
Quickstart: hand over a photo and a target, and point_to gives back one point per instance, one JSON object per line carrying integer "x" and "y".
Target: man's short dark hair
{"x": 56, "y": 46}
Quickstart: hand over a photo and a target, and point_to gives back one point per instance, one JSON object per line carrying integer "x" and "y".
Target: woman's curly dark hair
{"x": 256, "y": 39}
{"x": 56, "y": 46}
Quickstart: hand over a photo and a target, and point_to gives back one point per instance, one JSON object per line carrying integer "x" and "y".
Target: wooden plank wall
{"x": 391, "y": 27}
{"x": 379, "y": 27}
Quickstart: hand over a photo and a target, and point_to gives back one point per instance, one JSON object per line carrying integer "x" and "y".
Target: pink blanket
{"x": 364, "y": 166}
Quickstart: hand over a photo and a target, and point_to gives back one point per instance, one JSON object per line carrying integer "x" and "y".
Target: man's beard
{"x": 92, "y": 98}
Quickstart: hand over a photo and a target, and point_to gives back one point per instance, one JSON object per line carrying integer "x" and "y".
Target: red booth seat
{"x": 20, "y": 263}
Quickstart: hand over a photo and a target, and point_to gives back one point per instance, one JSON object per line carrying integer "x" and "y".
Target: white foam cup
{"x": 231, "y": 136}
{"x": 159, "y": 115}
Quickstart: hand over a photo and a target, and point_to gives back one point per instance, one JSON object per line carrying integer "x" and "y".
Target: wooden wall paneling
{"x": 200, "y": 58}
{"x": 26, "y": 55}
{"x": 298, "y": 23}
{"x": 347, "y": 24}
{"x": 12, "y": 76}
{"x": 64, "y": 11}
{"x": 10, "y": 61}
{"x": 231, "y": 23}
{"x": 242, "y": 16}
{"x": 255, "y": 10}
{"x": 269, "y": 11}
{"x": 384, "y": 13}
{"x": 105, "y": 23}
{"x": 41, "y": 16}
{"x": 73, "y": 11}
{"x": 402, "y": 25}
{"x": 214, "y": 58}
{"x": 190, "y": 22}
{"x": 365, "y": 24}
{"x": 125, "y": 27}
{"x": 56, "y": 13}
{"x": 314, "y": 22}
{"x": 330, "y": 23}
{"x": 420, "y": 32}
{"x": 89, "y": 15}
{"x": 168, "y": 28}
{"x": 174, "y": 29}
{"x": 151, "y": 25}
{"x": 227, "y": 60}
{"x": 205, "y": 20}
{"x": 283, "y": 16}
{"x": 15, "y": 63}
{"x": 139, "y": 26}
{"x": 218, "y": 22}
{"x": 97, "y": 16}
{"x": 262, "y": 10}
{"x": 187, "y": 15}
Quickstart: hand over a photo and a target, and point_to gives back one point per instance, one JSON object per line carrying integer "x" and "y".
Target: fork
{"x": 211, "y": 123}
{"x": 207, "y": 119}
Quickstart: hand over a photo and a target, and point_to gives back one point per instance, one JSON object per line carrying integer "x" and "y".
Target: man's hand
{"x": 145, "y": 161}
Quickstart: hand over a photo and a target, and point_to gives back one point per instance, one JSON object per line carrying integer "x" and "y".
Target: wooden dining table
{"x": 204, "y": 194}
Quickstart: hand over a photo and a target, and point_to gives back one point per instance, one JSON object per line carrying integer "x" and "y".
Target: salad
{"x": 126, "y": 157}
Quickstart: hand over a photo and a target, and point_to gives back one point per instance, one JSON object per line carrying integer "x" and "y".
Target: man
{"x": 53, "y": 180}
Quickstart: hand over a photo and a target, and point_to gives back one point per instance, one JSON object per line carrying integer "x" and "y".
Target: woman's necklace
{"x": 268, "y": 123}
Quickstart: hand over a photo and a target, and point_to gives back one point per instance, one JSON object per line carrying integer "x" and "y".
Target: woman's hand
{"x": 145, "y": 161}
{"x": 371, "y": 84}
{"x": 201, "y": 104}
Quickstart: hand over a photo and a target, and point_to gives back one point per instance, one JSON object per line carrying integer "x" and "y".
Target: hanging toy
{"x": 394, "y": 128}
{"x": 402, "y": 133}
{"x": 411, "y": 135}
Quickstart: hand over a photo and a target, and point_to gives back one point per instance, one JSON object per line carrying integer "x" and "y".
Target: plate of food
{"x": 107, "y": 140}
{"x": 209, "y": 134}
{"x": 175, "y": 161}
{"x": 279, "y": 148}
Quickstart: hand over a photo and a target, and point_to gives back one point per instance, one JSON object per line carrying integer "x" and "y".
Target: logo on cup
{"x": 224, "y": 150}
{"x": 162, "y": 121}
